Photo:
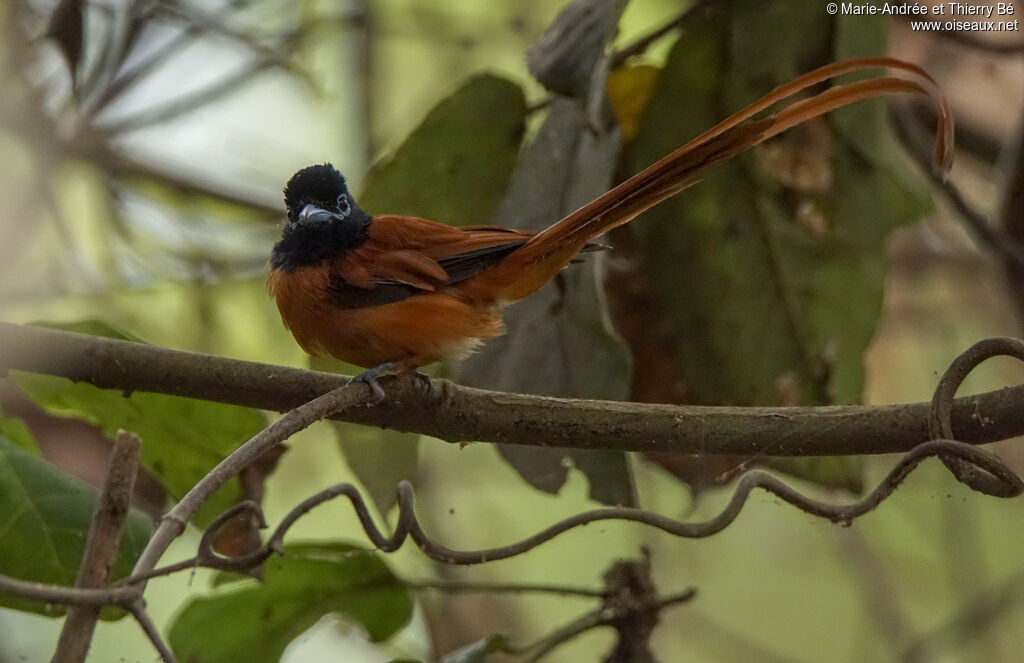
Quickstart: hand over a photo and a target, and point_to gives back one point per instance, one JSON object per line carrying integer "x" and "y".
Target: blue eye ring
{"x": 343, "y": 205}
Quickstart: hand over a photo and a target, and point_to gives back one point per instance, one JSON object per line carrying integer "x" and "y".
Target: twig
{"x": 459, "y": 414}
{"x": 123, "y": 166}
{"x": 976, "y": 616}
{"x": 630, "y": 605}
{"x": 1012, "y": 215}
{"x": 684, "y": 596}
{"x": 210, "y": 24}
{"x": 197, "y": 24}
{"x": 940, "y": 423}
{"x": 173, "y": 523}
{"x": 971, "y": 137}
{"x": 409, "y": 526}
{"x": 503, "y": 588}
{"x": 880, "y": 598}
{"x": 643, "y": 43}
{"x": 138, "y": 611}
{"x": 45, "y": 593}
{"x": 562, "y": 635}
{"x": 983, "y": 229}
{"x": 186, "y": 103}
{"x": 112, "y": 508}
{"x": 146, "y": 64}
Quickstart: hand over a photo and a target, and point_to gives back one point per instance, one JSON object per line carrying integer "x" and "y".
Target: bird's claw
{"x": 369, "y": 378}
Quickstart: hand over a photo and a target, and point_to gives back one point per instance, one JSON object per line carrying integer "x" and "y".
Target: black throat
{"x": 332, "y": 225}
{"x": 302, "y": 246}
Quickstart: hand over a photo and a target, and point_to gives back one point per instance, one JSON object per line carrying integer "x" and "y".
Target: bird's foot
{"x": 370, "y": 378}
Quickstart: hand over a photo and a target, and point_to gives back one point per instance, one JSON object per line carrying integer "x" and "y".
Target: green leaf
{"x": 477, "y": 652}
{"x": 44, "y": 521}
{"x": 455, "y": 165}
{"x": 771, "y": 270}
{"x": 15, "y": 430}
{"x": 255, "y": 621}
{"x": 183, "y": 438}
{"x": 380, "y": 459}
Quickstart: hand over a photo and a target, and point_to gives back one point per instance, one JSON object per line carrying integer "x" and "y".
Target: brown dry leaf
{"x": 800, "y": 159}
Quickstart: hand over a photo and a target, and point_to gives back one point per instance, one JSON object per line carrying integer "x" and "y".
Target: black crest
{"x": 324, "y": 220}
{"x": 318, "y": 185}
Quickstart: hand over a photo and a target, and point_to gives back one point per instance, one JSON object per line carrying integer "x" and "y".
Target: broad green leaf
{"x": 253, "y": 621}
{"x": 183, "y": 438}
{"x": 380, "y": 458}
{"x": 771, "y": 270}
{"x": 455, "y": 165}
{"x": 45, "y": 516}
{"x": 15, "y": 430}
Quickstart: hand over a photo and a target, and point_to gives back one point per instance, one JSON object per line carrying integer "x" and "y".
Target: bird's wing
{"x": 403, "y": 256}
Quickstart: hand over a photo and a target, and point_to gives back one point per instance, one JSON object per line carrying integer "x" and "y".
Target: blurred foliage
{"x": 455, "y": 166}
{"x": 44, "y": 517}
{"x": 147, "y": 197}
{"x": 380, "y": 459}
{"x": 478, "y": 652}
{"x": 183, "y": 438}
{"x": 253, "y": 621}
{"x": 781, "y": 251}
{"x": 16, "y": 432}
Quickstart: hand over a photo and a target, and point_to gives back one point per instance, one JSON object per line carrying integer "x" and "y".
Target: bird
{"x": 395, "y": 292}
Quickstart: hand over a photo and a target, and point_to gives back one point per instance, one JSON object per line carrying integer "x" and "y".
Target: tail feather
{"x": 529, "y": 267}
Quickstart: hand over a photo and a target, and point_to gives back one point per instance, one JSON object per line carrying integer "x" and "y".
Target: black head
{"x": 323, "y": 219}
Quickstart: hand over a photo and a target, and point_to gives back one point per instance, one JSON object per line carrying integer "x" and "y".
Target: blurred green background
{"x": 156, "y": 214}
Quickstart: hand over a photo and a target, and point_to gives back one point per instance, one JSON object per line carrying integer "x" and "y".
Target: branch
{"x": 939, "y": 417}
{"x": 45, "y": 593}
{"x": 138, "y": 610}
{"x": 183, "y": 104}
{"x": 460, "y": 414}
{"x": 637, "y": 47}
{"x": 458, "y": 586}
{"x": 635, "y": 607}
{"x": 910, "y": 133}
{"x": 112, "y": 508}
{"x": 174, "y": 521}
{"x": 408, "y": 525}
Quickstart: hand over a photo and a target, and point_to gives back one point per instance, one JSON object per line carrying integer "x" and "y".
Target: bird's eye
{"x": 344, "y": 208}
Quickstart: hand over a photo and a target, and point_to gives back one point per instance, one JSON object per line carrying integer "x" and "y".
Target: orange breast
{"x": 414, "y": 332}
